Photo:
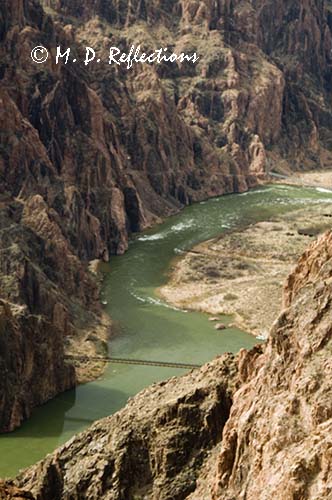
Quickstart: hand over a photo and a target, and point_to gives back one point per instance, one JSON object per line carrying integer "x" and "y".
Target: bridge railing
{"x": 125, "y": 361}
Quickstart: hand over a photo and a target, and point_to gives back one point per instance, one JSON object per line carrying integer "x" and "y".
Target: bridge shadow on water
{"x": 70, "y": 409}
{"x": 54, "y": 423}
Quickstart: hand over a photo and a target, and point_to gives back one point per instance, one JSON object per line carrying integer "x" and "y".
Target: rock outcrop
{"x": 257, "y": 426}
{"x": 28, "y": 345}
{"x": 151, "y": 449}
{"x": 276, "y": 443}
{"x": 312, "y": 267}
{"x": 10, "y": 492}
{"x": 89, "y": 155}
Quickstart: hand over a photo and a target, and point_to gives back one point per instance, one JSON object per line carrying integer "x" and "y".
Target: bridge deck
{"x": 124, "y": 361}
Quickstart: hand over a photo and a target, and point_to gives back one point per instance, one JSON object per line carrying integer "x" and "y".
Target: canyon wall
{"x": 89, "y": 155}
{"x": 277, "y": 441}
{"x": 254, "y": 426}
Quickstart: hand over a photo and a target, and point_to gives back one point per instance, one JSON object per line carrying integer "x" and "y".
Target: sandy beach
{"x": 242, "y": 273}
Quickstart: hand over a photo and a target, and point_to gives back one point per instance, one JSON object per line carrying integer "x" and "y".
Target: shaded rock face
{"x": 257, "y": 426}
{"x": 28, "y": 345}
{"x": 8, "y": 492}
{"x": 90, "y": 155}
{"x": 151, "y": 449}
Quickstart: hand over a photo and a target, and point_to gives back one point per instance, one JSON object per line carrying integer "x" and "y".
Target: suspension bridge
{"x": 124, "y": 361}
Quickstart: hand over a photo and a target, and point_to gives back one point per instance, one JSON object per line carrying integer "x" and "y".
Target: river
{"x": 145, "y": 327}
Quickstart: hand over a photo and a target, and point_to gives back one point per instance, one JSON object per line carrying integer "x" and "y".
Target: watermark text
{"x": 115, "y": 56}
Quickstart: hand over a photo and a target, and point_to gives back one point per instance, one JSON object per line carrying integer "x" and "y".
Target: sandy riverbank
{"x": 242, "y": 273}
{"x": 322, "y": 179}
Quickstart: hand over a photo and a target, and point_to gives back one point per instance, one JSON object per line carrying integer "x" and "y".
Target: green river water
{"x": 145, "y": 327}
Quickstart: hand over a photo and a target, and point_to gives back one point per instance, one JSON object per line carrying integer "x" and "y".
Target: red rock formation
{"x": 90, "y": 155}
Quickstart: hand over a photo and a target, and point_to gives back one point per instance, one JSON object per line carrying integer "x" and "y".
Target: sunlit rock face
{"x": 92, "y": 154}
{"x": 276, "y": 443}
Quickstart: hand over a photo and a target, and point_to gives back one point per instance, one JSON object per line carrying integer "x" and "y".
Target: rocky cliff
{"x": 261, "y": 88}
{"x": 8, "y": 492}
{"x": 276, "y": 443}
{"x": 257, "y": 426}
{"x": 89, "y": 155}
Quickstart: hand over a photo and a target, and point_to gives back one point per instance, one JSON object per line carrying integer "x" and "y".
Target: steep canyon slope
{"x": 254, "y": 426}
{"x": 89, "y": 155}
